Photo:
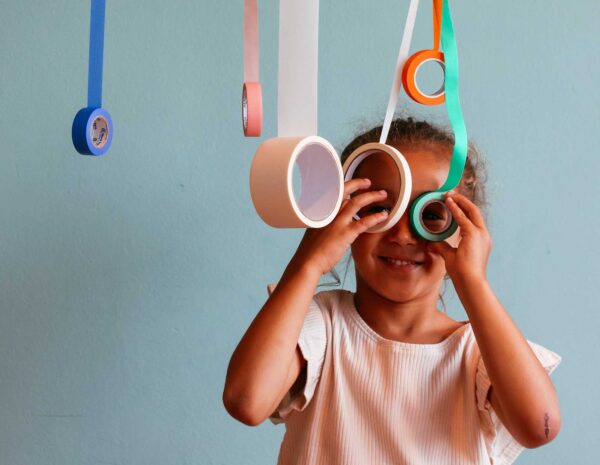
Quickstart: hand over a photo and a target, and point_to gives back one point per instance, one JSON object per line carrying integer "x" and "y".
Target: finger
{"x": 362, "y": 225}
{"x": 350, "y": 187}
{"x": 441, "y": 248}
{"x": 359, "y": 201}
{"x": 459, "y": 216}
{"x": 471, "y": 210}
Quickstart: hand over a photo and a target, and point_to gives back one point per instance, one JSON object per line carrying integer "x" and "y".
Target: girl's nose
{"x": 401, "y": 233}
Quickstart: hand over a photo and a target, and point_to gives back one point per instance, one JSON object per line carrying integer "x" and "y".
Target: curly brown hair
{"x": 412, "y": 133}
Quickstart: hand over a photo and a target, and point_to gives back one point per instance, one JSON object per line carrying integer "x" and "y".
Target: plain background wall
{"x": 127, "y": 280}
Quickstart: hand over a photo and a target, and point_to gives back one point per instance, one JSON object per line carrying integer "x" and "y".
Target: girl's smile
{"x": 386, "y": 259}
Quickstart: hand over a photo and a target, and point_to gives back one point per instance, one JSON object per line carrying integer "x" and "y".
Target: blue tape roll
{"x": 92, "y": 129}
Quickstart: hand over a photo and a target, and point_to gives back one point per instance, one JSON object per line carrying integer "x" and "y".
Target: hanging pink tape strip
{"x": 251, "y": 92}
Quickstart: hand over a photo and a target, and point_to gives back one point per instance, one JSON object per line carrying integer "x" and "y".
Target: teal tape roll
{"x": 459, "y": 152}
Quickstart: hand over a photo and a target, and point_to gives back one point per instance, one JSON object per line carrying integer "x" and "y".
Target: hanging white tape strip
{"x": 298, "y": 67}
{"x": 271, "y": 174}
{"x": 363, "y": 152}
{"x": 409, "y": 27}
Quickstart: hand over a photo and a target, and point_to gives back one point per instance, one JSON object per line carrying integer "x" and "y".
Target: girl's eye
{"x": 432, "y": 216}
{"x": 372, "y": 209}
{"x": 377, "y": 209}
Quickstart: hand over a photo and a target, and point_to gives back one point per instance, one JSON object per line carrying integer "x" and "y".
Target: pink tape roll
{"x": 251, "y": 92}
{"x": 252, "y": 109}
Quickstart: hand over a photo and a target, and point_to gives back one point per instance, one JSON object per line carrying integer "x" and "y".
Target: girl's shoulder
{"x": 332, "y": 302}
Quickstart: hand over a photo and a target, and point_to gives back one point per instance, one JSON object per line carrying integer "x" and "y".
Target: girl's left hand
{"x": 469, "y": 259}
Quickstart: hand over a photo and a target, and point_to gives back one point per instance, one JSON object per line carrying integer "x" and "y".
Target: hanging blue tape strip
{"x": 92, "y": 129}
{"x": 96, "y": 53}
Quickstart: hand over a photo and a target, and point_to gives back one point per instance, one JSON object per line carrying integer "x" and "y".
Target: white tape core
{"x": 99, "y": 131}
{"x": 319, "y": 170}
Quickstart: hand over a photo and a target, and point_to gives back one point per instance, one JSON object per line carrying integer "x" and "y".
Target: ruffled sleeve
{"x": 312, "y": 342}
{"x": 502, "y": 447}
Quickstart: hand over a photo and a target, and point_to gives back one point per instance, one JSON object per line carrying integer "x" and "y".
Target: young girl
{"x": 381, "y": 376}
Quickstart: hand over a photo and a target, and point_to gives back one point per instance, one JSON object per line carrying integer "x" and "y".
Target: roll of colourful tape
{"x": 322, "y": 183}
{"x": 459, "y": 152}
{"x": 364, "y": 151}
{"x": 251, "y": 91}
{"x": 417, "y": 60}
{"x": 409, "y": 77}
{"x": 92, "y": 129}
{"x": 271, "y": 182}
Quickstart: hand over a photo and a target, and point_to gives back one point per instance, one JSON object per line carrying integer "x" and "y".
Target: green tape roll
{"x": 461, "y": 144}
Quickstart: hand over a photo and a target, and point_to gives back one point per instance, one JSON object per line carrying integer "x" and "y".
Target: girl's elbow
{"x": 543, "y": 432}
{"x": 241, "y": 410}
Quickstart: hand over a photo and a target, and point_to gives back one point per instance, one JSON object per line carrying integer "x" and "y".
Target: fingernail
{"x": 383, "y": 192}
{"x": 367, "y": 180}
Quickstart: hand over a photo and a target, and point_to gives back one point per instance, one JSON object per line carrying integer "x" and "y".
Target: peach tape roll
{"x": 271, "y": 173}
{"x": 251, "y": 91}
{"x": 414, "y": 63}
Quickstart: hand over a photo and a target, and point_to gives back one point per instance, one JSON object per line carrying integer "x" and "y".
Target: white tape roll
{"x": 364, "y": 151}
{"x": 271, "y": 173}
{"x": 405, "y": 179}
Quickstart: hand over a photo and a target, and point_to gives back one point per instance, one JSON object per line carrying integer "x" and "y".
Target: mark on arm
{"x": 546, "y": 425}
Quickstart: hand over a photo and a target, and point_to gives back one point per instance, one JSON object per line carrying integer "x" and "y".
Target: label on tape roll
{"x": 92, "y": 128}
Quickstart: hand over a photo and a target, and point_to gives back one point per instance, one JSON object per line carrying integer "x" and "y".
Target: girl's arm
{"x": 267, "y": 360}
{"x": 522, "y": 393}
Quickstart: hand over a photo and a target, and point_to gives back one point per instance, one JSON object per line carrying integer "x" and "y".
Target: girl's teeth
{"x": 400, "y": 262}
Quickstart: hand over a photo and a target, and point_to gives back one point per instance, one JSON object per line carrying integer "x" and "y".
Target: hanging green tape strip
{"x": 459, "y": 153}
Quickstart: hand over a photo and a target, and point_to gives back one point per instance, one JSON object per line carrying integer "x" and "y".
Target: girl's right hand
{"x": 321, "y": 248}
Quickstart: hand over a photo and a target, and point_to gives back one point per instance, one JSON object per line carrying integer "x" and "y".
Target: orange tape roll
{"x": 409, "y": 77}
{"x": 412, "y": 65}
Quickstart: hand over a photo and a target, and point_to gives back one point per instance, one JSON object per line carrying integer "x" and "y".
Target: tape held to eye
{"x": 322, "y": 184}
{"x": 251, "y": 90}
{"x": 363, "y": 152}
{"x": 357, "y": 157}
{"x": 460, "y": 149}
{"x": 92, "y": 129}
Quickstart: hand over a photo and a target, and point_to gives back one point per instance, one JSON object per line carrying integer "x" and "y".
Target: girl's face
{"x": 380, "y": 258}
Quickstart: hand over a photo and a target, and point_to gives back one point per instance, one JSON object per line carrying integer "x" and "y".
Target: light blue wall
{"x": 127, "y": 280}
